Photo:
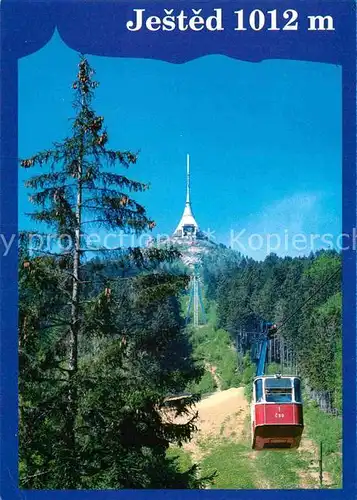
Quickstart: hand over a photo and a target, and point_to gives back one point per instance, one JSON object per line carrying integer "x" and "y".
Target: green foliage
{"x": 281, "y": 468}
{"x": 323, "y": 427}
{"x": 135, "y": 354}
{"x": 215, "y": 263}
{"x": 321, "y": 361}
{"x": 182, "y": 458}
{"x": 214, "y": 348}
{"x": 272, "y": 368}
{"x": 206, "y": 385}
{"x": 249, "y": 370}
{"x": 234, "y": 470}
{"x": 326, "y": 428}
{"x": 338, "y": 375}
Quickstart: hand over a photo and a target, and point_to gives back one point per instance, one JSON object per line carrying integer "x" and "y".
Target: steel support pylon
{"x": 199, "y": 317}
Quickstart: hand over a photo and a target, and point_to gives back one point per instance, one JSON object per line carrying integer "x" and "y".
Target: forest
{"x": 302, "y": 295}
{"x": 102, "y": 337}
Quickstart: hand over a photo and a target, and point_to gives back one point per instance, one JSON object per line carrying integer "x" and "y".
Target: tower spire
{"x": 188, "y": 180}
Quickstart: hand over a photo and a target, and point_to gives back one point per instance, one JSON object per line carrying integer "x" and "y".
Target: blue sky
{"x": 264, "y": 138}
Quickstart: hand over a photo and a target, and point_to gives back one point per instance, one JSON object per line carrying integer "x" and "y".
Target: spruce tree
{"x": 79, "y": 191}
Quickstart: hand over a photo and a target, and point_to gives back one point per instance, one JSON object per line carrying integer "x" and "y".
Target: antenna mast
{"x": 188, "y": 180}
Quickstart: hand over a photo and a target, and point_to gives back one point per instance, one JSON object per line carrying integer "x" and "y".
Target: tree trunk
{"x": 73, "y": 476}
{"x": 73, "y": 343}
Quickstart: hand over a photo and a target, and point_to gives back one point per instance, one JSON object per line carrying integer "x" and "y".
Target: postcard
{"x": 178, "y": 249}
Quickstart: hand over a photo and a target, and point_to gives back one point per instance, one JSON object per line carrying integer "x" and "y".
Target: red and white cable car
{"x": 276, "y": 412}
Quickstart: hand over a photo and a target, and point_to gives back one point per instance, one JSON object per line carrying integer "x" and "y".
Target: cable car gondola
{"x": 276, "y": 411}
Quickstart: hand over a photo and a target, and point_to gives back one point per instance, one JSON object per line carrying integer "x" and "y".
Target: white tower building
{"x": 187, "y": 226}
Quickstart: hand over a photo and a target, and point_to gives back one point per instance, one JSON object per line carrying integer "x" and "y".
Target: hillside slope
{"x": 222, "y": 444}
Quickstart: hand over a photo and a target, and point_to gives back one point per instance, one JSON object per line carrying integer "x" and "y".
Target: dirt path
{"x": 220, "y": 415}
{"x": 215, "y": 376}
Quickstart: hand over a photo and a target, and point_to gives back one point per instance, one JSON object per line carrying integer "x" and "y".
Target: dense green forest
{"x": 301, "y": 295}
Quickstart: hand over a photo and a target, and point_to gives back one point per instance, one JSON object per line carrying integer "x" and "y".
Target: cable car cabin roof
{"x": 278, "y": 383}
{"x": 276, "y": 377}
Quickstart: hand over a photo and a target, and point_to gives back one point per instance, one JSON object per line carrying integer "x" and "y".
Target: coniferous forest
{"x": 102, "y": 336}
{"x": 301, "y": 295}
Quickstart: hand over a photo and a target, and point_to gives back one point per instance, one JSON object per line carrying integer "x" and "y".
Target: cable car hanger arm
{"x": 268, "y": 330}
